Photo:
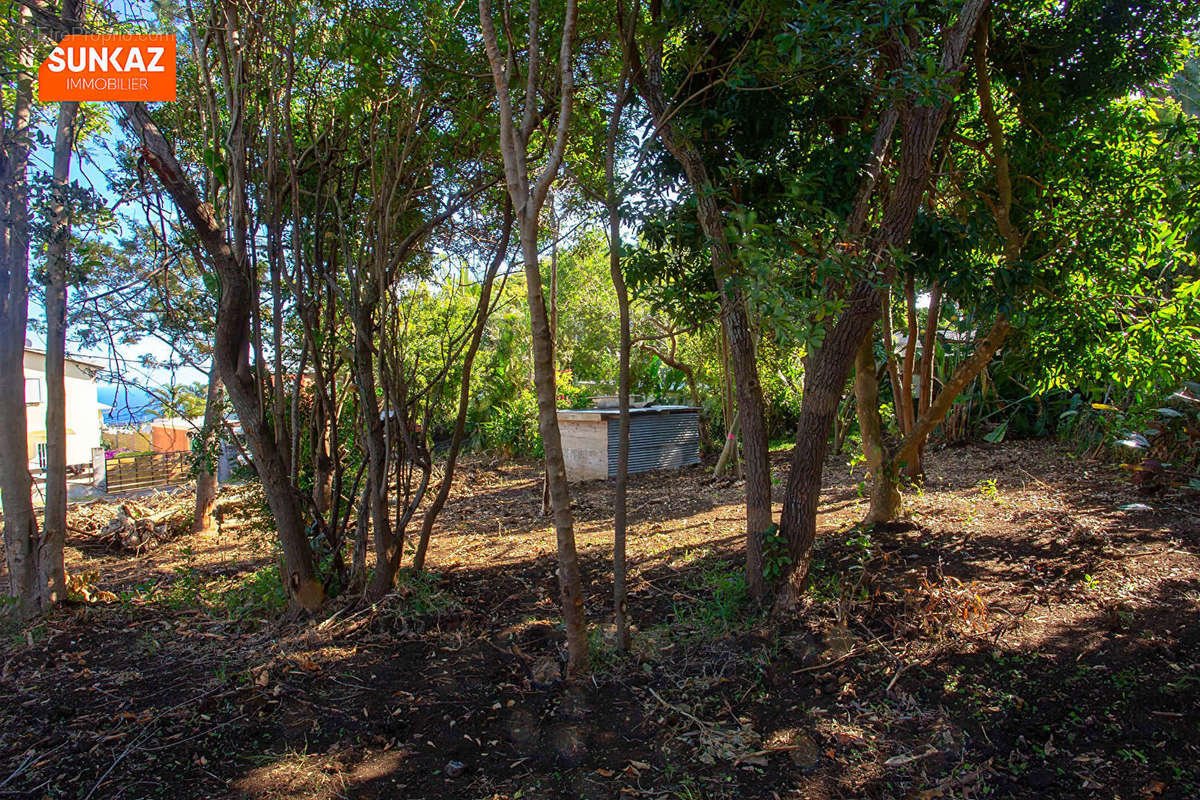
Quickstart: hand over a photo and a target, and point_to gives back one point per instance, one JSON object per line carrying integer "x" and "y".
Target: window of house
{"x": 41, "y": 455}
{"x": 33, "y": 391}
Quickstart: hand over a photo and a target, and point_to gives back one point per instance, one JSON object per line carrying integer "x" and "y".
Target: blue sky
{"x": 93, "y": 172}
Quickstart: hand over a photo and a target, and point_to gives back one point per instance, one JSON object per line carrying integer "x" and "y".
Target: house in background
{"x": 83, "y": 408}
{"x": 127, "y": 439}
{"x": 173, "y": 434}
{"x": 161, "y": 435}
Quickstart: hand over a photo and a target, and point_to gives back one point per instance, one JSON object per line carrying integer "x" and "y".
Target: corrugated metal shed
{"x": 660, "y": 437}
{"x": 657, "y": 441}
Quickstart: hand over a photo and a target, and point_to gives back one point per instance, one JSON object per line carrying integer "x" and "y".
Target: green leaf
{"x": 997, "y": 435}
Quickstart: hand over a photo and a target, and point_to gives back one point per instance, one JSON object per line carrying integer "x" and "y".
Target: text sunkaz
{"x": 105, "y": 59}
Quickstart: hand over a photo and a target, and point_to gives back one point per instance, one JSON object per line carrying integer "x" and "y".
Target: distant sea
{"x": 129, "y": 405}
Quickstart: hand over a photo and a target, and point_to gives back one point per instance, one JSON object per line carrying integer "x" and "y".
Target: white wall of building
{"x": 82, "y": 408}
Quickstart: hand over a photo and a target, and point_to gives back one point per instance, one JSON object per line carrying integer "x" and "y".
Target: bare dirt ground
{"x": 1031, "y": 630}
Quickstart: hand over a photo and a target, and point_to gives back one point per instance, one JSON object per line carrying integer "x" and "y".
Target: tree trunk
{"x": 885, "y": 498}
{"x": 828, "y": 370}
{"x": 20, "y": 524}
{"x": 231, "y": 354}
{"x": 964, "y": 374}
{"x": 889, "y": 348}
{"x": 729, "y": 450}
{"x": 929, "y": 348}
{"x": 744, "y": 360}
{"x": 303, "y": 585}
{"x": 933, "y": 412}
{"x": 570, "y": 580}
{"x": 734, "y": 311}
{"x": 52, "y": 580}
{"x": 553, "y": 325}
{"x": 554, "y": 283}
{"x": 528, "y": 197}
{"x": 358, "y": 560}
{"x": 374, "y": 436}
{"x": 910, "y": 351}
{"x": 322, "y": 491}
{"x": 841, "y": 424}
{"x": 620, "y": 590}
{"x": 620, "y": 501}
{"x": 669, "y": 358}
{"x": 915, "y": 466}
{"x": 278, "y": 379}
{"x": 755, "y": 447}
{"x": 206, "y": 476}
{"x": 729, "y": 413}
{"x": 482, "y": 310}
{"x": 830, "y": 365}
{"x": 231, "y": 348}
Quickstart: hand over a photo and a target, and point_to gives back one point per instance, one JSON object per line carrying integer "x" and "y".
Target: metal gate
{"x": 127, "y": 473}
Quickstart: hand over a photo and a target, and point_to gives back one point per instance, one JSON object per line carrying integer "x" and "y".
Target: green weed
{"x": 723, "y": 605}
{"x": 261, "y": 593}
{"x": 776, "y": 557}
{"x": 421, "y": 593}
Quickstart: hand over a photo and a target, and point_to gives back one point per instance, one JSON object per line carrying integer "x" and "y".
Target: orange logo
{"x": 109, "y": 68}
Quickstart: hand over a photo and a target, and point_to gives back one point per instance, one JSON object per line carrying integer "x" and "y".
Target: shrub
{"x": 511, "y": 427}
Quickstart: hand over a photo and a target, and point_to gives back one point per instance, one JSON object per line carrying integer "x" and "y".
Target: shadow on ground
{"x": 1022, "y": 638}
